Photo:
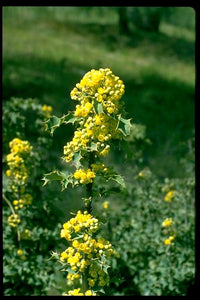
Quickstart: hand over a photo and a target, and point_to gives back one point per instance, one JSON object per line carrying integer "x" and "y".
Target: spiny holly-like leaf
{"x": 93, "y": 146}
{"x": 55, "y": 175}
{"x": 52, "y": 123}
{"x": 124, "y": 125}
{"x": 68, "y": 180}
{"x": 76, "y": 159}
{"x": 105, "y": 268}
{"x": 64, "y": 179}
{"x": 119, "y": 179}
{"x": 69, "y": 118}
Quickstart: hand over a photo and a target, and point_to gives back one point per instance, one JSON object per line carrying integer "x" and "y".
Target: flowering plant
{"x": 26, "y": 235}
{"x": 98, "y": 120}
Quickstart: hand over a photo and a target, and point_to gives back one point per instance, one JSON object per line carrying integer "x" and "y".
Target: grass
{"x": 47, "y": 50}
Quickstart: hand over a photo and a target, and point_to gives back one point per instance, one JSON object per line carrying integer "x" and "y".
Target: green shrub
{"x": 27, "y": 244}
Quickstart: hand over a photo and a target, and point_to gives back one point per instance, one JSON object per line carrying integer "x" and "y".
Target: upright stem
{"x": 89, "y": 185}
{"x": 84, "y": 281}
{"x": 88, "y": 206}
{"x": 14, "y": 214}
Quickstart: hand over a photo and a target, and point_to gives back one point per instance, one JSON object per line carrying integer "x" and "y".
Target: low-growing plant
{"x": 153, "y": 233}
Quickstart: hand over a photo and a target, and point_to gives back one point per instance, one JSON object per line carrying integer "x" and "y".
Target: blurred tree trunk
{"x": 146, "y": 18}
{"x": 123, "y": 20}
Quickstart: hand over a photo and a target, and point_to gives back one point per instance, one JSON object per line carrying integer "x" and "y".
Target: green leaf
{"x": 68, "y": 180}
{"x": 69, "y": 118}
{"x": 64, "y": 179}
{"x": 98, "y": 107}
{"x": 69, "y": 270}
{"x": 76, "y": 159}
{"x": 124, "y": 125}
{"x": 55, "y": 175}
{"x": 105, "y": 268}
{"x": 119, "y": 179}
{"x": 93, "y": 146}
{"x": 52, "y": 123}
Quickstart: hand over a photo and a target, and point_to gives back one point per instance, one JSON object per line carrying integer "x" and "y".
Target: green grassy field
{"x": 47, "y": 50}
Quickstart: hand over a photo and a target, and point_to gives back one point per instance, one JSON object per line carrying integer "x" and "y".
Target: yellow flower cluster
{"x": 18, "y": 172}
{"x": 85, "y": 252}
{"x": 167, "y": 225}
{"x": 167, "y": 222}
{"x": 20, "y": 252}
{"x": 97, "y": 126}
{"x": 169, "y": 240}
{"x": 82, "y": 222}
{"x": 169, "y": 196}
{"x": 84, "y": 176}
{"x": 47, "y": 109}
{"x": 25, "y": 200}
{"x": 13, "y": 220}
{"x": 76, "y": 292}
{"x": 102, "y": 85}
{"x": 16, "y": 160}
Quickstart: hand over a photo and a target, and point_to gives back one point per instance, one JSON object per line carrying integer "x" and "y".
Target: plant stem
{"x": 88, "y": 206}
{"x": 84, "y": 282}
{"x": 90, "y": 185}
{"x": 9, "y": 204}
{"x": 13, "y": 212}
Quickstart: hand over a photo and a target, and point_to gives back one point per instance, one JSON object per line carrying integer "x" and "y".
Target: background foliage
{"x": 41, "y": 64}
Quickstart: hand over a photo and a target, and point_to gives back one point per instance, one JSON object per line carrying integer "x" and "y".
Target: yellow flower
{"x": 104, "y": 152}
{"x": 110, "y": 110}
{"x": 64, "y": 256}
{"x": 91, "y": 282}
{"x": 169, "y": 196}
{"x": 101, "y": 137}
{"x": 105, "y": 204}
{"x": 20, "y": 252}
{"x": 47, "y": 108}
{"x": 167, "y": 222}
{"x": 85, "y": 176}
{"x": 8, "y": 173}
{"x": 169, "y": 240}
{"x": 75, "y": 292}
{"x": 90, "y": 293}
